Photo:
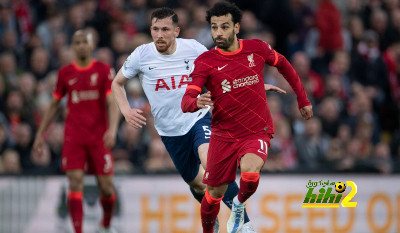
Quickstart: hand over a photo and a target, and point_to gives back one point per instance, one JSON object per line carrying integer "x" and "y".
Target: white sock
{"x": 236, "y": 200}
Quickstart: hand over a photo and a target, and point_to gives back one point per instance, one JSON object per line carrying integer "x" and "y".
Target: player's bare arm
{"x": 269, "y": 87}
{"x": 48, "y": 117}
{"x": 113, "y": 118}
{"x": 133, "y": 116}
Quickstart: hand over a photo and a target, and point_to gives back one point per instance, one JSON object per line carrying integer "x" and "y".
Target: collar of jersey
{"x": 169, "y": 55}
{"x": 234, "y": 52}
{"x": 80, "y": 68}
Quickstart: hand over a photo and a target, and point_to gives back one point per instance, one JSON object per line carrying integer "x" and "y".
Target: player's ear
{"x": 176, "y": 31}
{"x": 236, "y": 28}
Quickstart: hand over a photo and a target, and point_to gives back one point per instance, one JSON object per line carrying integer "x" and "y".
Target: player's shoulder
{"x": 256, "y": 44}
{"x": 66, "y": 68}
{"x": 101, "y": 65}
{"x": 189, "y": 42}
{"x": 207, "y": 55}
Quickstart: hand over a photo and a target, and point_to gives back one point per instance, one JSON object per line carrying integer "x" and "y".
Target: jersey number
{"x": 108, "y": 164}
{"x": 263, "y": 147}
{"x": 207, "y": 131}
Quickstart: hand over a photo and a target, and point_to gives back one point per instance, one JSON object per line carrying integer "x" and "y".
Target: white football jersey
{"x": 164, "y": 79}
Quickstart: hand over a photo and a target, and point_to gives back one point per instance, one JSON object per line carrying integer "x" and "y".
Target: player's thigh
{"x": 180, "y": 149}
{"x": 221, "y": 163}
{"x": 100, "y": 160}
{"x": 251, "y": 163}
{"x": 73, "y": 156}
{"x": 201, "y": 132}
{"x": 203, "y": 151}
{"x": 254, "y": 152}
{"x": 197, "y": 183}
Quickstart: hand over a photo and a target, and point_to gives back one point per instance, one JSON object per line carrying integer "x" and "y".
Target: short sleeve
{"x": 199, "y": 48}
{"x": 131, "y": 66}
{"x": 199, "y": 72}
{"x": 60, "y": 90}
{"x": 269, "y": 54}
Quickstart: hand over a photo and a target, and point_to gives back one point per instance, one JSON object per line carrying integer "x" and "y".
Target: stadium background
{"x": 347, "y": 53}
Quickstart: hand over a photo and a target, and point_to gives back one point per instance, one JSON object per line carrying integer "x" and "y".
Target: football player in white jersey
{"x": 163, "y": 68}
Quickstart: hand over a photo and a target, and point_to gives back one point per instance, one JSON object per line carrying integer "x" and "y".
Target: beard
{"x": 226, "y": 43}
{"x": 163, "y": 47}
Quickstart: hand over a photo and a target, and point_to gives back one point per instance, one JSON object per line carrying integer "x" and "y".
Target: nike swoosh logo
{"x": 220, "y": 68}
{"x": 72, "y": 81}
{"x": 152, "y": 67}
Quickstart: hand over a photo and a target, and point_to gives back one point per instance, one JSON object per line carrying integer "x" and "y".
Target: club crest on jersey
{"x": 226, "y": 86}
{"x": 93, "y": 79}
{"x": 251, "y": 60}
{"x": 187, "y": 64}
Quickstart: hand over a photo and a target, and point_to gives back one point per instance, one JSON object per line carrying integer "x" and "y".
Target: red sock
{"x": 209, "y": 211}
{"x": 75, "y": 208}
{"x": 248, "y": 185}
{"x": 108, "y": 204}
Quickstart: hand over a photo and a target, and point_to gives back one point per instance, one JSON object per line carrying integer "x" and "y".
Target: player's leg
{"x": 101, "y": 161}
{"x": 73, "y": 163}
{"x": 202, "y": 132}
{"x": 232, "y": 190}
{"x": 186, "y": 162}
{"x": 75, "y": 198}
{"x": 210, "y": 206}
{"x": 252, "y": 155}
{"x": 107, "y": 198}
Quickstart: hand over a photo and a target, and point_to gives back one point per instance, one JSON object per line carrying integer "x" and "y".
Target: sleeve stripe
{"x": 57, "y": 96}
{"x": 276, "y": 58}
{"x": 194, "y": 87}
{"x": 108, "y": 92}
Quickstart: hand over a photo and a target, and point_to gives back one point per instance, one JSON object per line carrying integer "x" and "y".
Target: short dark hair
{"x": 165, "y": 12}
{"x": 224, "y": 8}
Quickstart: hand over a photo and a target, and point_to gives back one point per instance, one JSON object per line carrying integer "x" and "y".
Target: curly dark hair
{"x": 165, "y": 12}
{"x": 224, "y": 8}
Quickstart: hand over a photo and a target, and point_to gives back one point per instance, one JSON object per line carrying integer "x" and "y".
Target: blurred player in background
{"x": 90, "y": 128}
{"x": 241, "y": 122}
{"x": 163, "y": 67}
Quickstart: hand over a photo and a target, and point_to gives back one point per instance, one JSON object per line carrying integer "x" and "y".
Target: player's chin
{"x": 161, "y": 48}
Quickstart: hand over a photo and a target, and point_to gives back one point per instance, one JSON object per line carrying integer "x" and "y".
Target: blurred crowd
{"x": 347, "y": 53}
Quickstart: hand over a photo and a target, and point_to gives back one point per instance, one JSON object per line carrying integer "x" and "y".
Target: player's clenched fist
{"x": 306, "y": 112}
{"x": 135, "y": 118}
{"x": 204, "y": 100}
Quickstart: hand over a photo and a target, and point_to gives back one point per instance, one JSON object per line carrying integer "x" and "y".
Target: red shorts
{"x": 91, "y": 157}
{"x": 223, "y": 158}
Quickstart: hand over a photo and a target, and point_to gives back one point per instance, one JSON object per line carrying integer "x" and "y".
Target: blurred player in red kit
{"x": 90, "y": 128}
{"x": 241, "y": 121}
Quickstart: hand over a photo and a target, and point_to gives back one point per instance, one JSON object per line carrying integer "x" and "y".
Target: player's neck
{"x": 171, "y": 49}
{"x": 83, "y": 62}
{"x": 234, "y": 46}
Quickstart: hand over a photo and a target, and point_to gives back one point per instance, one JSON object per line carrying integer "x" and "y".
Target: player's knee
{"x": 199, "y": 189}
{"x": 75, "y": 184}
{"x": 215, "y": 192}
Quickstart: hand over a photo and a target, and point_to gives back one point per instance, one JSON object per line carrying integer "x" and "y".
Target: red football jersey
{"x": 86, "y": 87}
{"x": 236, "y": 83}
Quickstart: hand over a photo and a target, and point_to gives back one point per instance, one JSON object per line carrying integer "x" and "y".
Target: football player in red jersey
{"x": 90, "y": 128}
{"x": 241, "y": 121}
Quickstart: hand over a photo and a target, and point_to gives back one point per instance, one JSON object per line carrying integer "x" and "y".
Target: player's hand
{"x": 38, "y": 146}
{"x": 306, "y": 112}
{"x": 109, "y": 139}
{"x": 203, "y": 100}
{"x": 269, "y": 87}
{"x": 135, "y": 118}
